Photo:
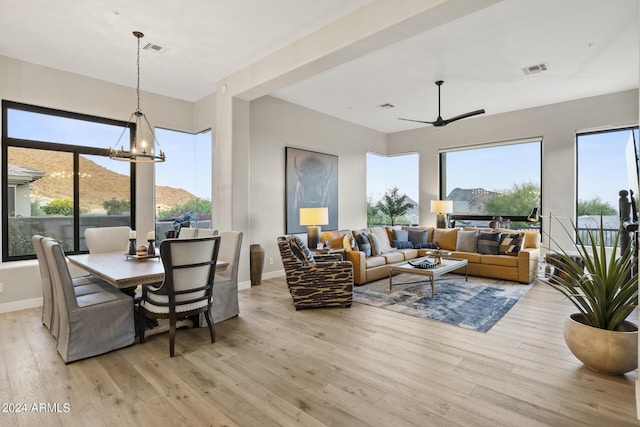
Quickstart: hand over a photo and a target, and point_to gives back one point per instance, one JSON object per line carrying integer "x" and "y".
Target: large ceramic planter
{"x": 607, "y": 352}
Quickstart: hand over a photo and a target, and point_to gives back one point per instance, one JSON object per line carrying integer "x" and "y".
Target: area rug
{"x": 477, "y": 304}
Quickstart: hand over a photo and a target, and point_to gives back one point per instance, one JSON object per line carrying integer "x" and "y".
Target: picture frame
{"x": 311, "y": 180}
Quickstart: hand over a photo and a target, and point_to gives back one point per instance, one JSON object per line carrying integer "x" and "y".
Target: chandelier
{"x": 140, "y": 151}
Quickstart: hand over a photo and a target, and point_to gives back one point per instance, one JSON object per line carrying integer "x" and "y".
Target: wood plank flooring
{"x": 361, "y": 366}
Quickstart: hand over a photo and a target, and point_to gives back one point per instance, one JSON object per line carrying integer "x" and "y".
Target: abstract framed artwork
{"x": 311, "y": 181}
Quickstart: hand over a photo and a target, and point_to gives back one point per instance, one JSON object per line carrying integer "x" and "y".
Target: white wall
{"x": 46, "y": 87}
{"x": 276, "y": 124}
{"x": 556, "y": 124}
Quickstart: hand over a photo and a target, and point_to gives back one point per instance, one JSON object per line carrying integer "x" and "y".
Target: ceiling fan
{"x": 440, "y": 121}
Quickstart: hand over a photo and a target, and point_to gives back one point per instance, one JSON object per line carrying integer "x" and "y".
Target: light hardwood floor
{"x": 344, "y": 367}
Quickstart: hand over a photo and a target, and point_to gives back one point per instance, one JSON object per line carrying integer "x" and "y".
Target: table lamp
{"x": 313, "y": 218}
{"x": 441, "y": 207}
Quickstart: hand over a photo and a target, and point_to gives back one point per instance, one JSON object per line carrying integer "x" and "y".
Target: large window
{"x": 396, "y": 176}
{"x": 492, "y": 180}
{"x": 183, "y": 183}
{"x": 58, "y": 178}
{"x": 607, "y": 163}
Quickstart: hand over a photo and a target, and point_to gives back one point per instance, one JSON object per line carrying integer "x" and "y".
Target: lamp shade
{"x": 442, "y": 206}
{"x": 314, "y": 216}
{"x": 534, "y": 216}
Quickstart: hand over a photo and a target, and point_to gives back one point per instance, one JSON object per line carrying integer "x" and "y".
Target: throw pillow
{"x": 376, "y": 249}
{"x": 467, "y": 241}
{"x": 511, "y": 243}
{"x": 428, "y": 245}
{"x": 400, "y": 235}
{"x": 489, "y": 243}
{"x": 446, "y": 238}
{"x": 401, "y": 244}
{"x": 417, "y": 237}
{"x": 346, "y": 243}
{"x": 531, "y": 239}
{"x": 301, "y": 251}
{"x": 363, "y": 244}
{"x": 383, "y": 238}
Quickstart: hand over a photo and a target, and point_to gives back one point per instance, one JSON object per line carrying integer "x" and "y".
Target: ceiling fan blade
{"x": 462, "y": 116}
{"x": 417, "y": 121}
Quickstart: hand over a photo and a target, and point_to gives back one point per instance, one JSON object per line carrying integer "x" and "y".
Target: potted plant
{"x": 605, "y": 292}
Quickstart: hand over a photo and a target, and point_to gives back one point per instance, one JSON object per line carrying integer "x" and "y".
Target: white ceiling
{"x": 591, "y": 48}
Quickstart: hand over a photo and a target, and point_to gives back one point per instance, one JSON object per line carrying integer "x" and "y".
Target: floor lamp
{"x": 535, "y": 216}
{"x": 441, "y": 207}
{"x": 313, "y": 218}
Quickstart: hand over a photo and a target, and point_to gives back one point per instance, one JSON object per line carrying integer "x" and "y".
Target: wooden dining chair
{"x": 107, "y": 239}
{"x": 90, "y": 324}
{"x": 187, "y": 289}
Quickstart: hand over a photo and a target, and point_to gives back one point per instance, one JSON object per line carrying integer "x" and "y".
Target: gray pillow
{"x": 418, "y": 237}
{"x": 467, "y": 241}
{"x": 401, "y": 235}
{"x": 363, "y": 244}
{"x": 376, "y": 248}
{"x": 489, "y": 242}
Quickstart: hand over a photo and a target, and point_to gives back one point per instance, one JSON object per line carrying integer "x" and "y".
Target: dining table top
{"x": 123, "y": 271}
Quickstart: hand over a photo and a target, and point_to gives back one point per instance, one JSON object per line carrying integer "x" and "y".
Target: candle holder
{"x": 132, "y": 246}
{"x": 151, "y": 250}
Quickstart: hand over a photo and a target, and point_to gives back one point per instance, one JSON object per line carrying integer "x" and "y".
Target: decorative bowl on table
{"x": 438, "y": 254}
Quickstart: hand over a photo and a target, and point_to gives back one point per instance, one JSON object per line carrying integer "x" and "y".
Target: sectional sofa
{"x": 496, "y": 253}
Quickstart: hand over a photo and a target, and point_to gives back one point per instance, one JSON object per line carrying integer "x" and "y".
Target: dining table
{"x": 123, "y": 271}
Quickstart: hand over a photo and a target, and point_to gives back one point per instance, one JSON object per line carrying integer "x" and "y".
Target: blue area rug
{"x": 477, "y": 304}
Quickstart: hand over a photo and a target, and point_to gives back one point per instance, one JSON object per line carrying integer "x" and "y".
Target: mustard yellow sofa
{"x": 521, "y": 266}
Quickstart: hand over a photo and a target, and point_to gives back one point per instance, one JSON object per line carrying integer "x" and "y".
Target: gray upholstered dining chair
{"x": 187, "y": 289}
{"x": 107, "y": 239}
{"x": 225, "y": 289}
{"x": 90, "y": 324}
{"x": 82, "y": 285}
{"x": 192, "y": 233}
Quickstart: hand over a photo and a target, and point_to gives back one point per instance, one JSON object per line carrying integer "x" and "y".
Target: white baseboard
{"x": 20, "y": 305}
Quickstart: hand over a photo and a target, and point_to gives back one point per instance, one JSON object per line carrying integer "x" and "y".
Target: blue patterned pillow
{"x": 363, "y": 244}
{"x": 301, "y": 251}
{"x": 428, "y": 245}
{"x": 401, "y": 244}
{"x": 489, "y": 242}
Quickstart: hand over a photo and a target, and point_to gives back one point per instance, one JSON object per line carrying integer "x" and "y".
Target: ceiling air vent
{"x": 535, "y": 69}
{"x": 155, "y": 48}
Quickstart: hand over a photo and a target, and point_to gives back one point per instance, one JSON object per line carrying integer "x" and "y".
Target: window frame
{"x": 489, "y": 217}
{"x": 75, "y": 150}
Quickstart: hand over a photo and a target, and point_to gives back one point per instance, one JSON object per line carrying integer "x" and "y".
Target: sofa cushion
{"x": 446, "y": 238}
{"x": 471, "y": 257}
{"x": 502, "y": 260}
{"x": 511, "y": 243}
{"x": 383, "y": 238}
{"x": 401, "y": 244}
{"x": 409, "y": 253}
{"x": 489, "y": 242}
{"x": 428, "y": 245}
{"x": 376, "y": 249}
{"x": 467, "y": 241}
{"x": 393, "y": 257}
{"x": 429, "y": 231}
{"x": 363, "y": 244}
{"x": 301, "y": 251}
{"x": 349, "y": 243}
{"x": 374, "y": 261}
{"x": 418, "y": 237}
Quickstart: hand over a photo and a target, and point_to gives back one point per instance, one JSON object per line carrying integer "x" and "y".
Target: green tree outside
{"x": 595, "y": 206}
{"x": 59, "y": 207}
{"x": 116, "y": 207}
{"x": 518, "y": 200}
{"x": 393, "y": 205}
{"x": 200, "y": 207}
{"x": 374, "y": 216}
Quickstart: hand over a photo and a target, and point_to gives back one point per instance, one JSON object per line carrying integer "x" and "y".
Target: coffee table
{"x": 446, "y": 265}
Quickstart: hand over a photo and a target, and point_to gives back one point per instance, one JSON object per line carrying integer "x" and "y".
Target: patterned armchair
{"x": 325, "y": 281}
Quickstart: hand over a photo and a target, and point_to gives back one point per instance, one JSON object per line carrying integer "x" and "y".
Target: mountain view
{"x": 57, "y": 183}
